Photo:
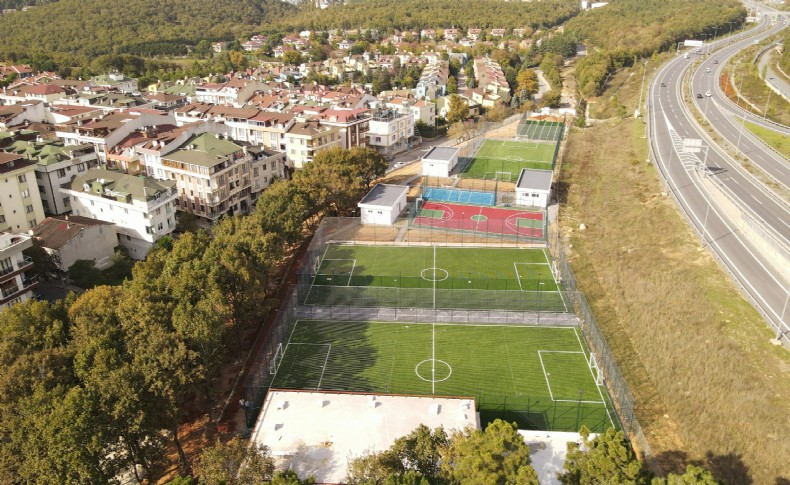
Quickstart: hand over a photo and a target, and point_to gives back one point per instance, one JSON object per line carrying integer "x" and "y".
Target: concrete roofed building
{"x": 213, "y": 176}
{"x": 383, "y": 204}
{"x": 305, "y": 139}
{"x": 15, "y": 285}
{"x": 115, "y": 81}
{"x": 533, "y": 187}
{"x": 320, "y": 432}
{"x": 56, "y": 165}
{"x": 439, "y": 161}
{"x": 142, "y": 208}
{"x": 69, "y": 238}
{"x": 21, "y": 208}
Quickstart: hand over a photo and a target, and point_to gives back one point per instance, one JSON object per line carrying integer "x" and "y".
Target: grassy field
{"x": 541, "y": 130}
{"x": 496, "y": 156}
{"x": 752, "y": 87}
{"x": 779, "y": 142}
{"x": 537, "y": 375}
{"x": 709, "y": 385}
{"x": 438, "y": 277}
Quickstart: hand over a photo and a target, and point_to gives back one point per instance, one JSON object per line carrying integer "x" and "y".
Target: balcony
{"x": 21, "y": 265}
{"x": 14, "y": 291}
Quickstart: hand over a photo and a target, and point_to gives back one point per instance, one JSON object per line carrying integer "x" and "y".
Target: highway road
{"x": 710, "y": 188}
{"x": 728, "y": 119}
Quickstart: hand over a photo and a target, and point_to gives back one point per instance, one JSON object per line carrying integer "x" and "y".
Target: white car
{"x": 708, "y": 94}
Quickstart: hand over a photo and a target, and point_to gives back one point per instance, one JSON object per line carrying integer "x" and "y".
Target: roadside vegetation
{"x": 627, "y": 30}
{"x": 780, "y": 143}
{"x": 742, "y": 76}
{"x": 694, "y": 352}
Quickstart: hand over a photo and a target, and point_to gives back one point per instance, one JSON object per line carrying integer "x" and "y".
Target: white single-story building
{"x": 548, "y": 451}
{"x": 439, "y": 161}
{"x": 319, "y": 433}
{"x": 533, "y": 187}
{"x": 383, "y": 204}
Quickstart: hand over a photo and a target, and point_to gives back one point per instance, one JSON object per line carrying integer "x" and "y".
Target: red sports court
{"x": 490, "y": 220}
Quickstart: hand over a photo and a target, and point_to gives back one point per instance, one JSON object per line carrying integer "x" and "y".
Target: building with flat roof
{"x": 533, "y": 187}
{"x": 439, "y": 161}
{"x": 319, "y": 433}
{"x": 383, "y": 204}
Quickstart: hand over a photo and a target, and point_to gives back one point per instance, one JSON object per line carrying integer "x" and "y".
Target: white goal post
{"x": 501, "y": 176}
{"x": 276, "y": 359}
{"x": 596, "y": 371}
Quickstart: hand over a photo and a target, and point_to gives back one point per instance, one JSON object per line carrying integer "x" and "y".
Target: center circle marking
{"x": 440, "y": 367}
{"x": 434, "y": 274}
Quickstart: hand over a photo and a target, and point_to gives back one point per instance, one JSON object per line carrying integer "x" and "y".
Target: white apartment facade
{"x": 20, "y": 202}
{"x": 15, "y": 285}
{"x": 390, "y": 131}
{"x": 142, "y": 209}
{"x": 56, "y": 167}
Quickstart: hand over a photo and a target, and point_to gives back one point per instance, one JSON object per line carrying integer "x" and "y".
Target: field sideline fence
{"x": 258, "y": 381}
{"x": 614, "y": 381}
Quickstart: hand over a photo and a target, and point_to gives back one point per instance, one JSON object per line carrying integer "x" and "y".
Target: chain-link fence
{"x": 614, "y": 381}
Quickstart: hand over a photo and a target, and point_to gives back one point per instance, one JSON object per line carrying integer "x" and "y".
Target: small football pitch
{"x": 503, "y": 160}
{"x": 436, "y": 277}
{"x": 539, "y": 377}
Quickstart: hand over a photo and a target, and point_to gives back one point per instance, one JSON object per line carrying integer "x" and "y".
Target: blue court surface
{"x": 472, "y": 197}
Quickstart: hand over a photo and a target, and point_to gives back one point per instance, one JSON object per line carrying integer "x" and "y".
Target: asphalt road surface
{"x": 691, "y": 176}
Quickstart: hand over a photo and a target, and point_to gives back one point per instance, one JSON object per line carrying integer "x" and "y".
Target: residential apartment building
{"x": 390, "y": 131}
{"x": 433, "y": 80}
{"x": 56, "y": 165}
{"x": 352, "y": 125}
{"x": 305, "y": 139}
{"x": 142, "y": 208}
{"x": 15, "y": 284}
{"x": 71, "y": 238}
{"x": 213, "y": 177}
{"x": 20, "y": 202}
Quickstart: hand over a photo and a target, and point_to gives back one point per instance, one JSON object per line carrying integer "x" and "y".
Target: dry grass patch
{"x": 709, "y": 385}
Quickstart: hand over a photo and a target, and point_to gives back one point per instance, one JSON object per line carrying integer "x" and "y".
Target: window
{"x": 25, "y": 193}
{"x": 21, "y": 178}
{"x": 2, "y": 219}
{"x": 40, "y": 188}
{"x": 32, "y": 223}
{"x": 66, "y": 201}
{"x": 45, "y": 204}
{"x": 29, "y": 208}
{"x": 81, "y": 167}
{"x": 38, "y": 175}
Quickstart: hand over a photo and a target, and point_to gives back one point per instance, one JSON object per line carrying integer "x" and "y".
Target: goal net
{"x": 596, "y": 371}
{"x": 505, "y": 176}
{"x": 276, "y": 359}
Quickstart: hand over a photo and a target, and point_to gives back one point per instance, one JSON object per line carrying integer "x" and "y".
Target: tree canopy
{"x": 74, "y": 31}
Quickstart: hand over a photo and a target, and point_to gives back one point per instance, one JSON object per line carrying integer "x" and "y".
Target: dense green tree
{"x": 527, "y": 84}
{"x": 452, "y": 85}
{"x": 552, "y": 98}
{"x": 282, "y": 210}
{"x": 289, "y": 477}
{"x": 292, "y": 57}
{"x": 496, "y": 455}
{"x": 234, "y": 462}
{"x": 694, "y": 475}
{"x": 459, "y": 109}
{"x": 607, "y": 458}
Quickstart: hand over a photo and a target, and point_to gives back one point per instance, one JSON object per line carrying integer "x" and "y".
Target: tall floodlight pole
{"x": 782, "y": 320}
{"x": 740, "y": 133}
{"x": 765, "y": 113}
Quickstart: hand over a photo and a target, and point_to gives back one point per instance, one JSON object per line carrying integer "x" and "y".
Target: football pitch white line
{"x": 509, "y": 365}
{"x": 518, "y": 275}
{"x": 548, "y": 383}
{"x": 326, "y": 359}
{"x": 608, "y": 414}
